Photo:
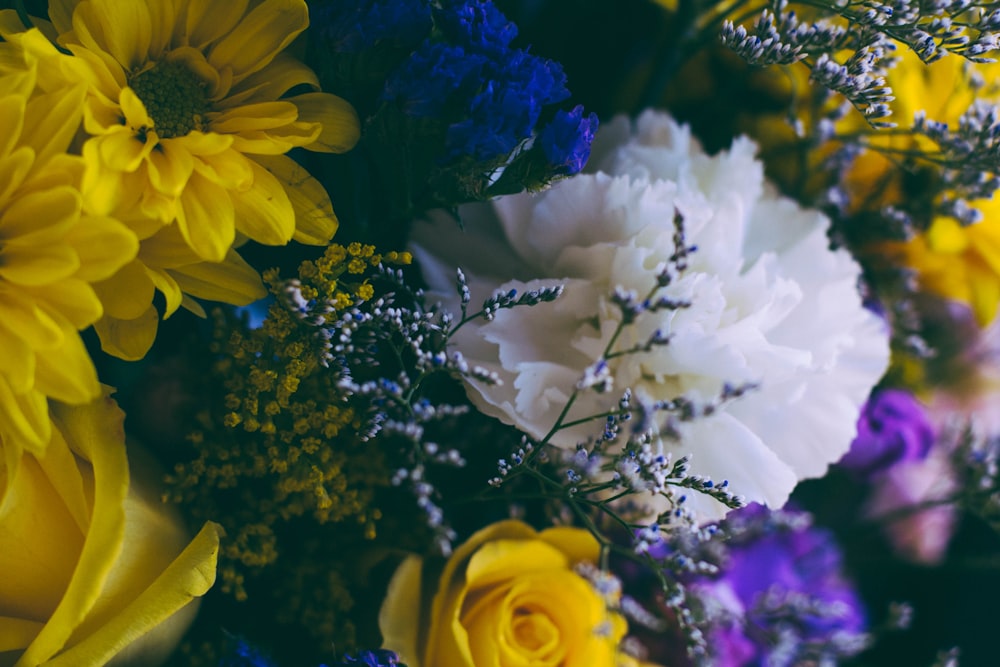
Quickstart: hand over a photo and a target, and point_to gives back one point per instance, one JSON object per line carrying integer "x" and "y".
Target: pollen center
{"x": 174, "y": 98}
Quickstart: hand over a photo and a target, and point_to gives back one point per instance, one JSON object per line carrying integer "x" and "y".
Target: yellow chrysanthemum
{"x": 187, "y": 129}
{"x": 50, "y": 251}
{"x": 961, "y": 263}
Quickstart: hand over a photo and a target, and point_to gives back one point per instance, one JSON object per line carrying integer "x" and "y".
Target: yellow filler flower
{"x": 188, "y": 128}
{"x": 50, "y": 251}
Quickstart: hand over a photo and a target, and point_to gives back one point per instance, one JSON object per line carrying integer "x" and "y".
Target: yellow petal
{"x": 24, "y": 418}
{"x": 339, "y": 120}
{"x": 53, "y": 121}
{"x": 232, "y": 281}
{"x": 40, "y": 539}
{"x": 67, "y": 374}
{"x": 190, "y": 576}
{"x": 580, "y": 546}
{"x": 207, "y": 219}
{"x": 399, "y": 616}
{"x": 25, "y": 264}
{"x": 104, "y": 246}
{"x": 12, "y": 120}
{"x": 72, "y": 300}
{"x": 127, "y": 294}
{"x": 264, "y": 212}
{"x": 128, "y": 339}
{"x": 169, "y": 167}
{"x": 18, "y": 362}
{"x": 95, "y": 431}
{"x": 16, "y": 633}
{"x": 208, "y": 20}
{"x": 125, "y": 28}
{"x": 122, "y": 150}
{"x": 315, "y": 221}
{"x": 259, "y": 116}
{"x": 169, "y": 288}
{"x": 260, "y": 36}
{"x": 283, "y": 74}
{"x": 13, "y": 169}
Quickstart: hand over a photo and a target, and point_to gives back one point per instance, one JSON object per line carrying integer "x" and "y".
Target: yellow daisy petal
{"x": 207, "y": 219}
{"x": 103, "y": 245}
{"x": 128, "y": 339}
{"x": 24, "y": 418}
{"x": 232, "y": 281}
{"x": 316, "y": 222}
{"x": 264, "y": 212}
{"x": 127, "y": 294}
{"x": 341, "y": 128}
{"x": 208, "y": 20}
{"x": 260, "y": 36}
{"x": 19, "y": 360}
{"x": 69, "y": 374}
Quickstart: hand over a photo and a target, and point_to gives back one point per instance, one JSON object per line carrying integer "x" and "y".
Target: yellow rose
{"x": 91, "y": 566}
{"x": 508, "y": 597}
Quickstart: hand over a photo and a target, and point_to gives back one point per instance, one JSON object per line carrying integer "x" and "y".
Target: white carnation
{"x": 772, "y": 304}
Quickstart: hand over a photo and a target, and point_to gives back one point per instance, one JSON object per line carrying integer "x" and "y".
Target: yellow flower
{"x": 508, "y": 596}
{"x": 51, "y": 252}
{"x": 188, "y": 128}
{"x": 93, "y": 565}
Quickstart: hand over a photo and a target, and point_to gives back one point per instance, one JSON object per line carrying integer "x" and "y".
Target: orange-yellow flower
{"x": 187, "y": 125}
{"x": 51, "y": 250}
{"x": 508, "y": 596}
{"x": 94, "y": 565}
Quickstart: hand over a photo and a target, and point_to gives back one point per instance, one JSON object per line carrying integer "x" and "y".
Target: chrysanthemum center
{"x": 174, "y": 97}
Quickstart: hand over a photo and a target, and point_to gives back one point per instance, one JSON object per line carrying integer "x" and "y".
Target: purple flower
{"x": 780, "y": 596}
{"x": 893, "y": 427}
{"x": 566, "y": 140}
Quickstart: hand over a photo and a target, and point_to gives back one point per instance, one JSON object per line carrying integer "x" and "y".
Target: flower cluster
{"x": 472, "y": 111}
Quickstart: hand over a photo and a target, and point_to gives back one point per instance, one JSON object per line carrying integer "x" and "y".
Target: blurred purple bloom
{"x": 780, "y": 595}
{"x": 893, "y": 427}
{"x": 566, "y": 140}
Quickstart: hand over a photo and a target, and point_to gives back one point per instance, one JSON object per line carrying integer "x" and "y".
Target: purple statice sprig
{"x": 242, "y": 653}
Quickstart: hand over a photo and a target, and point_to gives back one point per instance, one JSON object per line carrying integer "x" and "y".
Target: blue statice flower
{"x": 376, "y": 658}
{"x": 478, "y": 24}
{"x": 893, "y": 428}
{"x": 504, "y": 111}
{"x": 566, "y": 140}
{"x": 435, "y": 74}
{"x": 780, "y": 597}
{"x": 242, "y": 653}
{"x": 351, "y": 26}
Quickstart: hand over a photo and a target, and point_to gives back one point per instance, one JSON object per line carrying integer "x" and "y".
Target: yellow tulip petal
{"x": 16, "y": 633}
{"x": 96, "y": 432}
{"x": 264, "y": 212}
{"x": 128, "y": 339}
{"x": 232, "y": 281}
{"x": 260, "y": 36}
{"x": 339, "y": 120}
{"x": 190, "y": 576}
{"x": 315, "y": 221}
{"x": 398, "y": 619}
{"x": 32, "y": 506}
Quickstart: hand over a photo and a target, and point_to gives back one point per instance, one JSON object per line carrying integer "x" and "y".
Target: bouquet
{"x": 499, "y": 333}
